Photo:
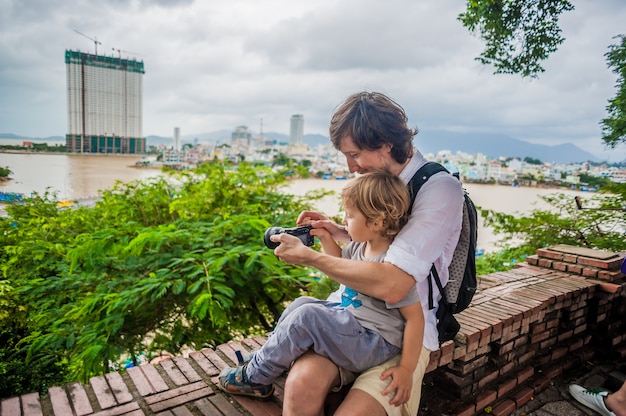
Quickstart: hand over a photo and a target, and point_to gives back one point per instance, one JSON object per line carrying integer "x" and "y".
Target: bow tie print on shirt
{"x": 348, "y": 298}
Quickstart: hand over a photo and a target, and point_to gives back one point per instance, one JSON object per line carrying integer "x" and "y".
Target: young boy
{"x": 357, "y": 331}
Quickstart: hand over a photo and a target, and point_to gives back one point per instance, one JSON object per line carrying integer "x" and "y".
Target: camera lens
{"x": 270, "y": 232}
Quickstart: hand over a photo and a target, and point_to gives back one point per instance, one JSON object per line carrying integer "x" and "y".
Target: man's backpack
{"x": 462, "y": 283}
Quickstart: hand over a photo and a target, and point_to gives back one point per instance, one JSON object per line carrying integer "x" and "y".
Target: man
{"x": 371, "y": 131}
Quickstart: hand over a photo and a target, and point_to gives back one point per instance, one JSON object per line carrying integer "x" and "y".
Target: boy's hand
{"x": 306, "y": 217}
{"x": 337, "y": 231}
{"x": 401, "y": 384}
{"x": 320, "y": 221}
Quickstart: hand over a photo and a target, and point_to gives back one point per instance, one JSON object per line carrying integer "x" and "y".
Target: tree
{"x": 166, "y": 263}
{"x": 614, "y": 126}
{"x": 600, "y": 225}
{"x": 518, "y": 34}
{"x": 532, "y": 161}
{"x": 5, "y": 172}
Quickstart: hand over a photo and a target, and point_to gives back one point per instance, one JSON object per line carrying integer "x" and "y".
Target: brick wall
{"x": 525, "y": 327}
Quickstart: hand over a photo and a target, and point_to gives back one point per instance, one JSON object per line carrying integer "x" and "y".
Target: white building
{"x": 296, "y": 132}
{"x": 104, "y": 104}
{"x": 177, "y": 138}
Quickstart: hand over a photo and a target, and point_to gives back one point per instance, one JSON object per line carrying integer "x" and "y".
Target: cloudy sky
{"x": 213, "y": 65}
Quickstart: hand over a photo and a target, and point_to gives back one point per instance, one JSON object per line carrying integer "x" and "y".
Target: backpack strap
{"x": 415, "y": 184}
{"x": 421, "y": 176}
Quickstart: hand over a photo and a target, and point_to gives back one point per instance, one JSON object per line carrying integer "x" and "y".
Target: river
{"x": 82, "y": 176}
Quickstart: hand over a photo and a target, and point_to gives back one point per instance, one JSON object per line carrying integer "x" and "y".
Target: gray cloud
{"x": 214, "y": 66}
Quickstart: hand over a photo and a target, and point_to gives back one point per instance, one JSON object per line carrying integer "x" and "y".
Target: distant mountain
{"x": 432, "y": 141}
{"x": 17, "y": 137}
{"x": 496, "y": 145}
{"x": 224, "y": 136}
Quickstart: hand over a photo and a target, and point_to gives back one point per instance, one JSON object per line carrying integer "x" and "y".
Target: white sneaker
{"x": 591, "y": 398}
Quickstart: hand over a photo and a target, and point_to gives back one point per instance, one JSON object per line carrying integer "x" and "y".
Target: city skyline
{"x": 206, "y": 73}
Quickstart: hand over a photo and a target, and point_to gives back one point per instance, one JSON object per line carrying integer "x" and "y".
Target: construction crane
{"x": 119, "y": 52}
{"x": 95, "y": 41}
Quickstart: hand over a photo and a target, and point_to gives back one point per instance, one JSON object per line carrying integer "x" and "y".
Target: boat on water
{"x": 10, "y": 197}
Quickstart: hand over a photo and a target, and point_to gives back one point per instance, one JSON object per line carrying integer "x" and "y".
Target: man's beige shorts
{"x": 370, "y": 383}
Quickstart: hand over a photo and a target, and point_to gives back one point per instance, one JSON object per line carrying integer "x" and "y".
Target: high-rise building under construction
{"x": 104, "y": 104}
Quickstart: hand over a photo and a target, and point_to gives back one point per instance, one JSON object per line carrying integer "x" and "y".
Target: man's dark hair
{"x": 372, "y": 120}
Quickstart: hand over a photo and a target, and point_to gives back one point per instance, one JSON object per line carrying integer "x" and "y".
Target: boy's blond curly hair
{"x": 379, "y": 195}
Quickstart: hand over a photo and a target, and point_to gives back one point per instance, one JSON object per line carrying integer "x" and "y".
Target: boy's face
{"x": 362, "y": 160}
{"x": 356, "y": 224}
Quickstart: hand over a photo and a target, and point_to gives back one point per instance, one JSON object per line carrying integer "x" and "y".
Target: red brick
{"x": 120, "y": 390}
{"x": 575, "y": 345}
{"x": 541, "y": 383}
{"x": 466, "y": 410}
{"x": 11, "y": 406}
{"x": 570, "y": 258}
{"x": 468, "y": 333}
{"x": 458, "y": 381}
{"x": 177, "y": 396}
{"x": 147, "y": 379}
{"x": 103, "y": 392}
{"x": 523, "y": 396}
{"x": 610, "y": 276}
{"x": 575, "y": 269}
{"x": 469, "y": 366}
{"x": 553, "y": 371}
{"x": 545, "y": 263}
{"x": 526, "y": 357}
{"x": 485, "y": 398}
{"x": 549, "y": 254}
{"x": 432, "y": 366}
{"x": 589, "y": 272}
{"x": 31, "y": 405}
{"x": 460, "y": 351}
{"x": 609, "y": 264}
{"x": 565, "y": 335}
{"x": 507, "y": 367}
{"x": 434, "y": 356}
{"x": 547, "y": 343}
{"x": 504, "y": 408}
{"x": 59, "y": 400}
{"x": 79, "y": 398}
{"x": 559, "y": 265}
{"x": 447, "y": 352}
{"x": 488, "y": 378}
{"x": 559, "y": 352}
{"x": 532, "y": 260}
{"x": 204, "y": 363}
{"x": 506, "y": 386}
{"x": 525, "y": 374}
{"x": 539, "y": 337}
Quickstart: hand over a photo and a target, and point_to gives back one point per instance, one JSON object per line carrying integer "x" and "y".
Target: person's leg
{"x": 358, "y": 402}
{"x": 310, "y": 379}
{"x": 606, "y": 404}
{"x": 365, "y": 398}
{"x": 617, "y": 401}
{"x": 331, "y": 332}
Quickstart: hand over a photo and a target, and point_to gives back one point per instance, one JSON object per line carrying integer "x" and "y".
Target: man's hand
{"x": 291, "y": 249}
{"x": 401, "y": 384}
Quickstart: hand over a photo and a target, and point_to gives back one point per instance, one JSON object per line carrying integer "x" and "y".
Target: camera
{"x": 301, "y": 232}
